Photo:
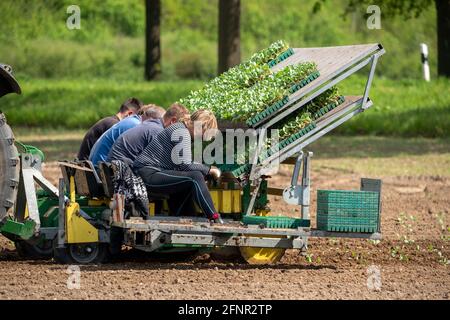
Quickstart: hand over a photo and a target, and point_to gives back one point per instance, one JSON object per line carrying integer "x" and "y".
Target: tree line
{"x": 229, "y": 48}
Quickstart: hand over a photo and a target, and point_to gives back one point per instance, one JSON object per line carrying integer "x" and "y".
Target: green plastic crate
{"x": 348, "y": 211}
{"x": 276, "y": 222}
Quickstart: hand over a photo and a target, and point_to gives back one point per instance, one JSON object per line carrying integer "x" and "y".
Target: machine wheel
{"x": 82, "y": 253}
{"x": 175, "y": 254}
{"x": 225, "y": 253}
{"x": 261, "y": 255}
{"x": 9, "y": 168}
{"x": 41, "y": 250}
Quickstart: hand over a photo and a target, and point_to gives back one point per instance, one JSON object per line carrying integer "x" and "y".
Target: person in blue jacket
{"x": 130, "y": 144}
{"x": 103, "y": 146}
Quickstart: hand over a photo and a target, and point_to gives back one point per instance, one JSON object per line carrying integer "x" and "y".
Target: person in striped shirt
{"x": 166, "y": 165}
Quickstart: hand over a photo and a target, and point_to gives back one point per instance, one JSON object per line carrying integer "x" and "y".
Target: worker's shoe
{"x": 215, "y": 218}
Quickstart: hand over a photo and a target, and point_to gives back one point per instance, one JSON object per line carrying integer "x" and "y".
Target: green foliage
{"x": 408, "y": 108}
{"x": 294, "y": 125}
{"x": 36, "y": 42}
{"x": 79, "y": 104}
{"x": 250, "y": 87}
{"x": 401, "y": 108}
{"x": 408, "y": 9}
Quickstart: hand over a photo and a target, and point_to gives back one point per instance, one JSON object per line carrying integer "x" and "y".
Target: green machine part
{"x": 23, "y": 230}
{"x": 32, "y": 150}
{"x": 48, "y": 209}
{"x": 261, "y": 201}
{"x": 48, "y": 214}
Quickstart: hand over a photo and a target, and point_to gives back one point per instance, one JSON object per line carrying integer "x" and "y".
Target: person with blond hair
{"x": 166, "y": 165}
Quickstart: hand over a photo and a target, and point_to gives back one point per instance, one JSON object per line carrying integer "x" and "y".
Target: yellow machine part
{"x": 27, "y": 213}
{"x": 99, "y": 202}
{"x": 226, "y": 201}
{"x": 262, "y": 255}
{"x": 78, "y": 229}
{"x": 152, "y": 208}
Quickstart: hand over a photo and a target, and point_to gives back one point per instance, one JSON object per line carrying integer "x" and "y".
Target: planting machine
{"x": 82, "y": 221}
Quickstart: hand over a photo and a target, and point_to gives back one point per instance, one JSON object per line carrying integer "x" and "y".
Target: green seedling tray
{"x": 294, "y": 137}
{"x": 328, "y": 108}
{"x": 347, "y": 211}
{"x": 237, "y": 170}
{"x": 276, "y": 222}
{"x": 286, "y": 54}
{"x": 282, "y": 102}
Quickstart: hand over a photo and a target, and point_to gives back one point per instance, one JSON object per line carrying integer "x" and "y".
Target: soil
{"x": 409, "y": 263}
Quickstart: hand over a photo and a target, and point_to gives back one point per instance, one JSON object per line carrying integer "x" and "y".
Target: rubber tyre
{"x": 31, "y": 251}
{"x": 9, "y": 168}
{"x": 78, "y": 253}
{"x": 116, "y": 241}
{"x": 226, "y": 254}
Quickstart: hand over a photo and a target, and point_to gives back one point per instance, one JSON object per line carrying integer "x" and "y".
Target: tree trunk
{"x": 443, "y": 29}
{"x": 229, "y": 34}
{"x": 152, "y": 39}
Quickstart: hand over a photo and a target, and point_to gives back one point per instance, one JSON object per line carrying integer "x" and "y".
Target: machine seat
{"x": 87, "y": 181}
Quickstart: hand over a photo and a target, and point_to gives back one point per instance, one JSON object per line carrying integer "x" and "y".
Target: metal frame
{"x": 301, "y": 194}
{"x": 321, "y": 129}
{"x": 61, "y": 240}
{"x": 26, "y": 196}
{"x": 326, "y": 83}
{"x": 181, "y": 231}
{"x": 183, "y": 225}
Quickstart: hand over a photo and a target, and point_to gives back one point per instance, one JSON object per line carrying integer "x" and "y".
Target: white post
{"x": 426, "y": 66}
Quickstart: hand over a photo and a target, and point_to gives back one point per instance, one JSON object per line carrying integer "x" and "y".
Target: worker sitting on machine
{"x": 103, "y": 145}
{"x": 174, "y": 173}
{"x": 128, "y": 108}
{"x": 130, "y": 144}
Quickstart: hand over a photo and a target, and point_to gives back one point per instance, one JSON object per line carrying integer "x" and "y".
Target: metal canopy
{"x": 329, "y": 59}
{"x": 325, "y": 124}
{"x": 332, "y": 64}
